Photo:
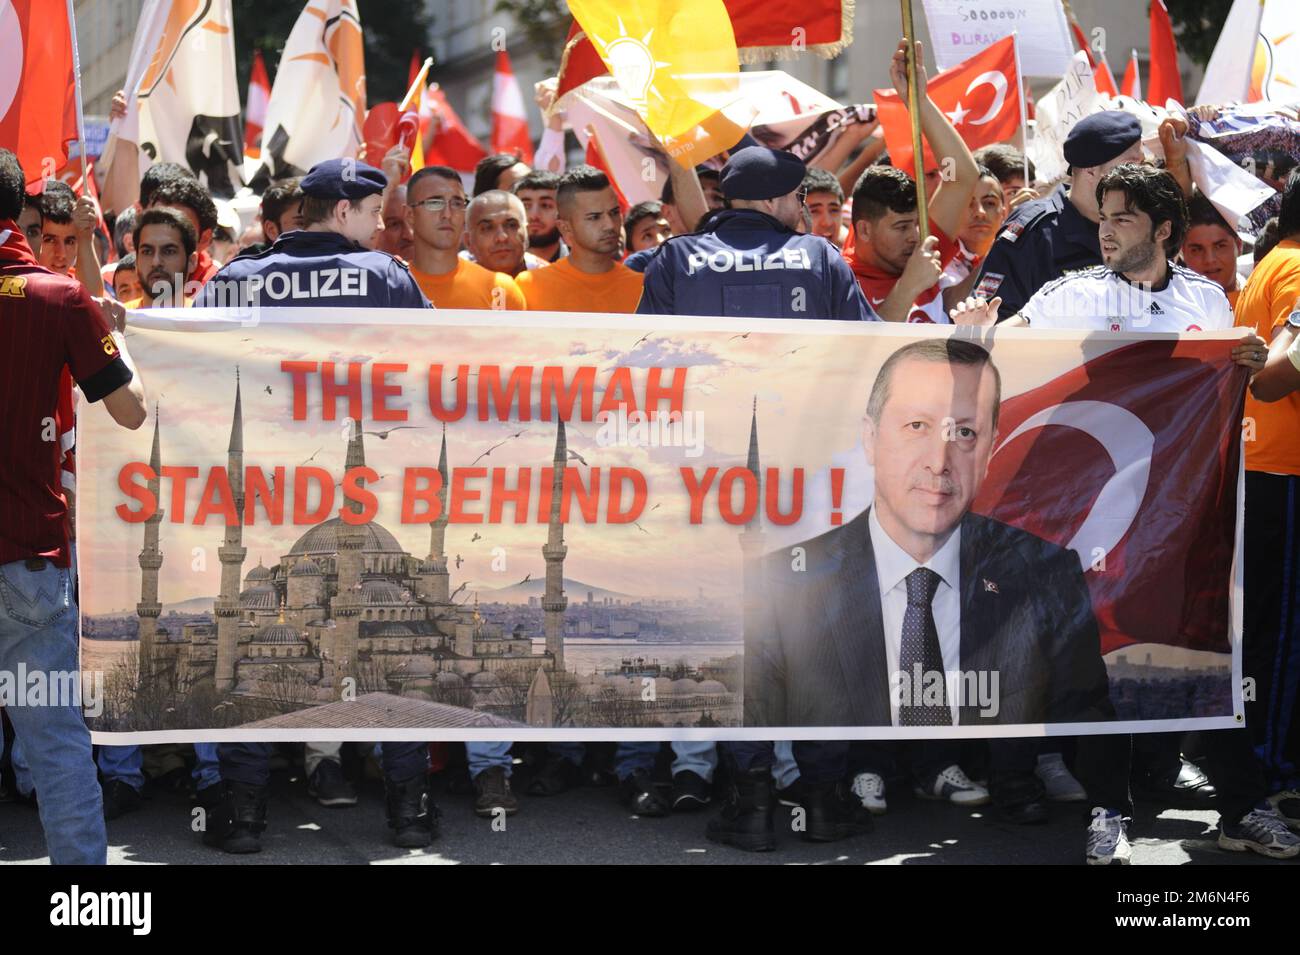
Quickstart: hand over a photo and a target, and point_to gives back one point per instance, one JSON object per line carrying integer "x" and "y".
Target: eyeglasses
{"x": 437, "y": 204}
{"x": 803, "y": 196}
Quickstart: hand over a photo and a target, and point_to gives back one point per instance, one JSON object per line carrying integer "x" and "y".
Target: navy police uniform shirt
{"x": 321, "y": 269}
{"x": 1039, "y": 242}
{"x": 746, "y": 264}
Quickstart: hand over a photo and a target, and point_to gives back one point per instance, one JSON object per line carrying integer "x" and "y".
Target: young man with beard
{"x": 190, "y": 199}
{"x": 587, "y": 279}
{"x": 166, "y": 249}
{"x": 537, "y": 192}
{"x": 435, "y": 216}
{"x": 1143, "y": 219}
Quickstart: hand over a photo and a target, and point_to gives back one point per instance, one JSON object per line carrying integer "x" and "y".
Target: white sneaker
{"x": 1261, "y": 830}
{"x": 870, "y": 788}
{"x": 1108, "y": 838}
{"x": 1059, "y": 782}
{"x": 1287, "y": 804}
{"x": 954, "y": 786}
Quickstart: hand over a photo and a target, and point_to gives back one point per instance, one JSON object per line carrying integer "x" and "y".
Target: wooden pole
{"x": 914, "y": 113}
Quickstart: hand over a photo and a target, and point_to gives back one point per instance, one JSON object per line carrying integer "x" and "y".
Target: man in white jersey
{"x": 1143, "y": 222}
{"x": 1138, "y": 288}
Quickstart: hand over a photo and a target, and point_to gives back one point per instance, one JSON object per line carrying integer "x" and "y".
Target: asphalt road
{"x": 590, "y": 825}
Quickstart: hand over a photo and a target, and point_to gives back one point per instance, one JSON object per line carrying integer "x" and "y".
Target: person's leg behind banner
{"x": 562, "y": 770}
{"x": 1247, "y": 819}
{"x": 937, "y": 774}
{"x": 1103, "y": 764}
{"x": 323, "y": 766}
{"x": 123, "y": 770}
{"x": 38, "y": 631}
{"x": 693, "y": 764}
{"x": 412, "y": 813}
{"x": 240, "y": 817}
{"x": 633, "y": 764}
{"x": 745, "y": 819}
{"x": 490, "y": 768}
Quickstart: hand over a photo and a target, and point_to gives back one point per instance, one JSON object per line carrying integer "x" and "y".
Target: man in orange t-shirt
{"x": 435, "y": 212}
{"x": 1271, "y": 640}
{"x": 587, "y": 279}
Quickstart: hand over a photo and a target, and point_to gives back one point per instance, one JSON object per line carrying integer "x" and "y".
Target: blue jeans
{"x": 483, "y": 756}
{"x": 207, "y": 768}
{"x": 818, "y": 761}
{"x": 700, "y": 757}
{"x": 38, "y": 629}
{"x": 124, "y": 763}
{"x": 249, "y": 763}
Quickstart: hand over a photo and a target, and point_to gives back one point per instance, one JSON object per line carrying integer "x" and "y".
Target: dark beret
{"x": 343, "y": 179}
{"x": 1099, "y": 138}
{"x": 757, "y": 172}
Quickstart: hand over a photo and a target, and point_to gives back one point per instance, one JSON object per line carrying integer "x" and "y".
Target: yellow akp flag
{"x": 676, "y": 62}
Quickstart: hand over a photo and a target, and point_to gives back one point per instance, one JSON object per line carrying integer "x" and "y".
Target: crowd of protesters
{"x": 511, "y": 237}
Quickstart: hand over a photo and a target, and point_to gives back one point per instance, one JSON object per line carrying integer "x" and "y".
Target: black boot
{"x": 234, "y": 816}
{"x": 746, "y": 818}
{"x": 412, "y": 815}
{"x": 833, "y": 812}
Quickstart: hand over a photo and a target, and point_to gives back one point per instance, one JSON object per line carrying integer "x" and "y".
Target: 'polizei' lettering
{"x": 727, "y": 260}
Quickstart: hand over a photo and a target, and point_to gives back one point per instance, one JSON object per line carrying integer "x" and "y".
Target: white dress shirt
{"x": 893, "y": 564}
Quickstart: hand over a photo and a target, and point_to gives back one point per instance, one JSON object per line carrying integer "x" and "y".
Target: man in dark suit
{"x": 917, "y": 612}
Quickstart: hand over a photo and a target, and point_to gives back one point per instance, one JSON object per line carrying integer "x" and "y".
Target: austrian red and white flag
{"x": 38, "y": 110}
{"x": 509, "y": 121}
{"x": 259, "y": 94}
{"x": 1131, "y": 460}
{"x": 981, "y": 97}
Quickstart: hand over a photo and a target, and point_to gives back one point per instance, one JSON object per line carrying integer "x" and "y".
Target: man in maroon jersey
{"x": 49, "y": 322}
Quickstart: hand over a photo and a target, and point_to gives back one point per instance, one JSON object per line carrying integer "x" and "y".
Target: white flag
{"x": 181, "y": 93}
{"x": 1056, "y": 113}
{"x": 318, "y": 100}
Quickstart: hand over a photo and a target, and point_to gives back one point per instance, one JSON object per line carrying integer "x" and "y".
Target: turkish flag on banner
{"x": 509, "y": 121}
{"x": 38, "y": 105}
{"x": 1132, "y": 461}
{"x": 981, "y": 97}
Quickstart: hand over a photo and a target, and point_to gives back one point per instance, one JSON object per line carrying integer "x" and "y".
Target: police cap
{"x": 343, "y": 179}
{"x": 757, "y": 172}
{"x": 1097, "y": 139}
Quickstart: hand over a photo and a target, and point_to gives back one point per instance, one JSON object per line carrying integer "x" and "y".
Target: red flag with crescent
{"x": 38, "y": 111}
{"x": 980, "y": 96}
{"x": 1131, "y": 460}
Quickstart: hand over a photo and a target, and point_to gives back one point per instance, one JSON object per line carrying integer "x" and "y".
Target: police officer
{"x": 750, "y": 261}
{"x": 325, "y": 262}
{"x": 322, "y": 264}
{"x": 1044, "y": 239}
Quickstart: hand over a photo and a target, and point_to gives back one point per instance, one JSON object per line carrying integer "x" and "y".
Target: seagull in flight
{"x": 575, "y": 454}
{"x": 383, "y": 435}
{"x": 487, "y": 452}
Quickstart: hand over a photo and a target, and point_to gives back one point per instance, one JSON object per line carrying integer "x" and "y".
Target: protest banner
{"x": 959, "y": 29}
{"x": 460, "y": 525}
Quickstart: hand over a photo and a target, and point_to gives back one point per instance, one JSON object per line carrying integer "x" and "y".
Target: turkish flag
{"x": 1163, "y": 79}
{"x": 981, "y": 96}
{"x": 1131, "y": 460}
{"x": 38, "y": 104}
{"x": 453, "y": 145}
{"x": 596, "y": 157}
{"x": 509, "y": 122}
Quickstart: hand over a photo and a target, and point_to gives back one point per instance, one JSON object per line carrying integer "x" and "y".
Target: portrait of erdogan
{"x": 918, "y": 612}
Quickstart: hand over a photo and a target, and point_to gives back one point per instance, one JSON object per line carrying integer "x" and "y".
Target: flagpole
{"x": 1024, "y": 109}
{"x": 914, "y": 111}
{"x": 415, "y": 86}
{"x": 76, "y": 76}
